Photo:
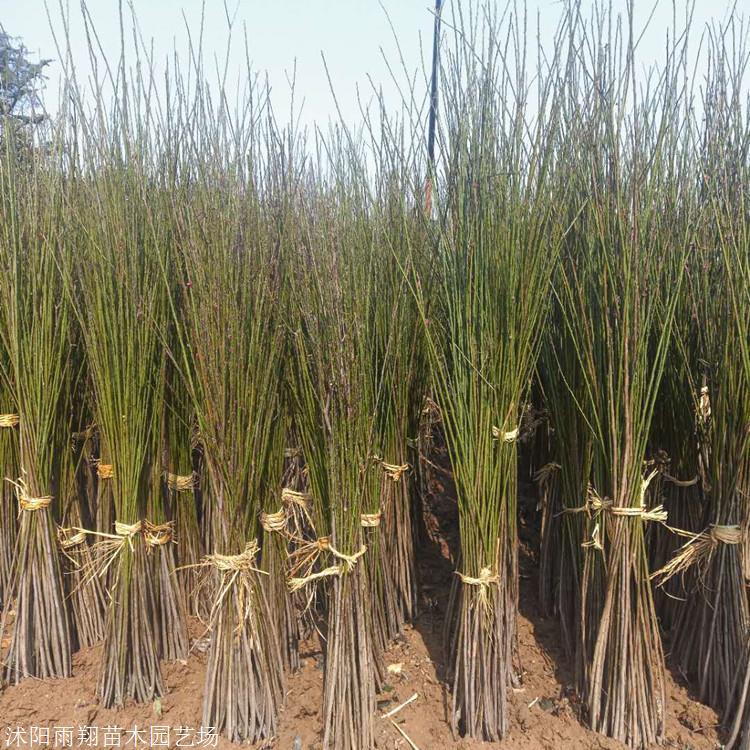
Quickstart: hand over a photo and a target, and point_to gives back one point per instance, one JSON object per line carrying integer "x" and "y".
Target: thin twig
{"x": 394, "y": 711}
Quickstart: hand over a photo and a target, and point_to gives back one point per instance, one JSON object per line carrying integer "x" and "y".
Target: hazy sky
{"x": 354, "y": 35}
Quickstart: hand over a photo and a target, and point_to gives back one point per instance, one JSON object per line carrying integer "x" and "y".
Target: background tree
{"x": 21, "y": 81}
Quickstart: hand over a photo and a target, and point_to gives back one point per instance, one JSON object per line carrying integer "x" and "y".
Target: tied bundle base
{"x": 130, "y": 664}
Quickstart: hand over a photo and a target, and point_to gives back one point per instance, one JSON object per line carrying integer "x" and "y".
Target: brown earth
{"x": 544, "y": 712}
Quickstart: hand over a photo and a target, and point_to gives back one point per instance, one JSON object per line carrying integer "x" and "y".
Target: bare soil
{"x": 545, "y": 713}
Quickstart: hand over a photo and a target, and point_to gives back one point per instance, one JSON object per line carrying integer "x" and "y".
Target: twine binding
{"x": 235, "y": 571}
{"x": 507, "y": 437}
{"x": 158, "y": 534}
{"x": 70, "y": 537}
{"x": 394, "y": 472}
{"x": 704, "y": 405}
{"x": 484, "y": 580}
{"x": 304, "y": 557}
{"x": 108, "y": 546}
{"x": 181, "y": 482}
{"x": 124, "y": 532}
{"x": 26, "y": 501}
{"x": 241, "y": 563}
{"x": 595, "y": 542}
{"x": 731, "y": 534}
{"x": 370, "y": 520}
{"x": 34, "y": 503}
{"x": 104, "y": 471}
{"x": 698, "y": 550}
{"x": 9, "y": 420}
{"x": 344, "y": 567}
{"x": 293, "y": 497}
{"x": 296, "y": 507}
{"x": 274, "y": 522}
{"x": 595, "y": 504}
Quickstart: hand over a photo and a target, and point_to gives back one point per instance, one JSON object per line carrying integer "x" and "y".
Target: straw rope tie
{"x": 293, "y": 497}
{"x": 698, "y": 550}
{"x": 70, "y": 538}
{"x": 158, "y": 534}
{"x": 343, "y": 568}
{"x": 234, "y": 570}
{"x": 395, "y": 471}
{"x": 296, "y": 507}
{"x": 127, "y": 530}
{"x": 370, "y": 520}
{"x": 657, "y": 514}
{"x": 485, "y": 578}
{"x": 644, "y": 488}
{"x": 595, "y": 504}
{"x": 123, "y": 532}
{"x": 105, "y": 471}
{"x": 26, "y": 501}
{"x": 241, "y": 563}
{"x": 347, "y": 561}
{"x": 9, "y": 420}
{"x": 726, "y": 534}
{"x": 181, "y": 482}
{"x": 704, "y": 405}
{"x": 34, "y": 503}
{"x": 274, "y": 522}
{"x": 507, "y": 437}
{"x": 595, "y": 542}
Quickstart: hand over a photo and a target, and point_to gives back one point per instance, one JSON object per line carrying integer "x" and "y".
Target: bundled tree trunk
{"x": 711, "y": 561}
{"x": 114, "y": 281}
{"x": 336, "y": 386}
{"x": 8, "y": 467}
{"x": 482, "y": 302}
{"x": 84, "y": 589}
{"x": 35, "y": 325}
{"x": 224, "y": 289}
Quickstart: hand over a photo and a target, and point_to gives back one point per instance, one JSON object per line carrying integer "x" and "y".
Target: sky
{"x": 356, "y": 38}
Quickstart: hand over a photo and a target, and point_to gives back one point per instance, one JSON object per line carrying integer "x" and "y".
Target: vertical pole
{"x": 433, "y": 109}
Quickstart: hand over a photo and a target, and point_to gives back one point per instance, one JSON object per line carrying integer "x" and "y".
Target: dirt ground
{"x": 544, "y": 712}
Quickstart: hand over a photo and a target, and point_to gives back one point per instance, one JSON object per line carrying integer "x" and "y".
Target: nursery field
{"x": 544, "y": 713}
{"x": 324, "y": 438}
